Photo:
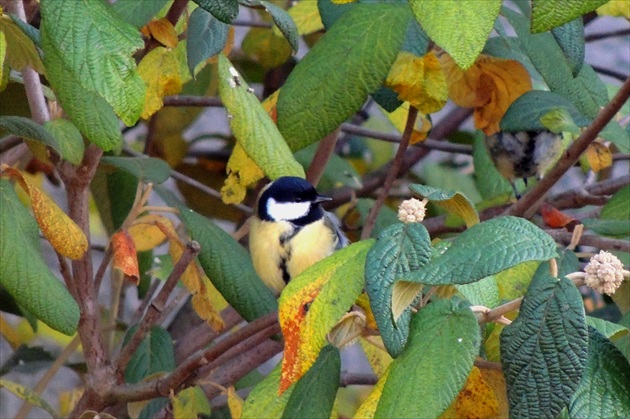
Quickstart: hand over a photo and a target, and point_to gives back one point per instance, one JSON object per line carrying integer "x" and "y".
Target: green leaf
{"x": 513, "y": 282}
{"x": 191, "y": 403}
{"x": 29, "y": 30}
{"x": 154, "y": 354}
{"x": 452, "y": 202}
{"x": 570, "y": 37}
{"x": 330, "y": 11}
{"x": 610, "y": 330}
{"x": 227, "y": 264}
{"x": 263, "y": 401}
{"x": 617, "y": 207}
{"x": 489, "y": 181}
{"x": 543, "y": 352}
{"x": 604, "y": 227}
{"x": 27, "y": 128}
{"x": 116, "y": 193}
{"x": 28, "y": 396}
{"x": 526, "y": 112}
{"x": 253, "y": 127}
{"x": 334, "y": 79}
{"x": 484, "y": 292}
{"x": 314, "y": 394}
{"x": 338, "y": 171}
{"x": 70, "y": 140}
{"x": 96, "y": 47}
{"x": 27, "y": 360}
{"x": 486, "y": 249}
{"x": 460, "y": 27}
{"x": 138, "y": 12}
{"x": 604, "y": 391}
{"x": 283, "y": 21}
{"x": 547, "y": 14}
{"x": 447, "y": 177}
{"x": 23, "y": 271}
{"x": 224, "y": 10}
{"x": 149, "y": 169}
{"x": 206, "y": 37}
{"x": 399, "y": 250}
{"x": 435, "y": 364}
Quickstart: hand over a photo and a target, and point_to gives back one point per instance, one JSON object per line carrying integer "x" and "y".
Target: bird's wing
{"x": 333, "y": 223}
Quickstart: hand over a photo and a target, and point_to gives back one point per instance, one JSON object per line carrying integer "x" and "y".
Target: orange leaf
{"x": 291, "y": 316}
{"x": 125, "y": 258}
{"x": 399, "y": 119}
{"x": 495, "y": 380}
{"x": 163, "y": 32}
{"x": 64, "y": 235}
{"x": 419, "y": 81}
{"x": 489, "y": 86}
{"x": 599, "y": 156}
{"x": 555, "y": 218}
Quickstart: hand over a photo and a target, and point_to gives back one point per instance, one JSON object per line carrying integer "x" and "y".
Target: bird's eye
{"x": 298, "y": 199}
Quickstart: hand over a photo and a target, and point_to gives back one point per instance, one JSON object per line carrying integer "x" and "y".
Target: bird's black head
{"x": 290, "y": 199}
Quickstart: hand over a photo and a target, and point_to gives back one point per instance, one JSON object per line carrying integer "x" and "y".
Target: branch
{"x": 603, "y": 243}
{"x": 156, "y": 307}
{"x": 357, "y": 379}
{"x": 531, "y": 201}
{"x": 612, "y": 34}
{"x": 197, "y": 101}
{"x": 162, "y": 386}
{"x": 392, "y": 174}
{"x": 325, "y": 149}
{"x": 610, "y": 73}
{"x": 593, "y": 194}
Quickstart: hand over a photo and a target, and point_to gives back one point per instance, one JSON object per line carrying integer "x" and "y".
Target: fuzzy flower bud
{"x": 604, "y": 273}
{"x": 412, "y": 211}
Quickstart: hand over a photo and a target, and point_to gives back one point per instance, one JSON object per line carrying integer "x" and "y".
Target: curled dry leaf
{"x": 124, "y": 256}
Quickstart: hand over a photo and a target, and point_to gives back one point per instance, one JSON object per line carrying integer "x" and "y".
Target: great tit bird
{"x": 523, "y": 154}
{"x": 290, "y": 231}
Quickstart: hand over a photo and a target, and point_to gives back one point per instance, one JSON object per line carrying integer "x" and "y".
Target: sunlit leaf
{"x": 453, "y": 202}
{"x": 313, "y": 302}
{"x": 305, "y": 14}
{"x": 163, "y": 32}
{"x": 547, "y": 14}
{"x": 460, "y": 27}
{"x": 475, "y": 400}
{"x": 190, "y": 403}
{"x": 599, "y": 156}
{"x": 20, "y": 50}
{"x": 29, "y": 396}
{"x": 145, "y": 233}
{"x": 264, "y": 400}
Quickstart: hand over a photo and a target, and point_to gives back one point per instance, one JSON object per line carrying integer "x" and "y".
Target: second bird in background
{"x": 290, "y": 231}
{"x": 523, "y": 154}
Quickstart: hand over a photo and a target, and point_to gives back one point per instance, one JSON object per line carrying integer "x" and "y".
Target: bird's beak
{"x": 321, "y": 198}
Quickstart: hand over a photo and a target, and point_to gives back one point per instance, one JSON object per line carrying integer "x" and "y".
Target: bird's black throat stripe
{"x": 284, "y": 240}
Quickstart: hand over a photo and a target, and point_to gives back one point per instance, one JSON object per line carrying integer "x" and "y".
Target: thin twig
{"x": 530, "y": 203}
{"x": 393, "y": 173}
{"x": 500, "y": 311}
{"x": 612, "y": 34}
{"x": 197, "y": 101}
{"x": 251, "y": 24}
{"x": 603, "y": 243}
{"x": 610, "y": 73}
{"x": 154, "y": 310}
{"x": 49, "y": 375}
{"x": 100, "y": 273}
{"x": 357, "y": 379}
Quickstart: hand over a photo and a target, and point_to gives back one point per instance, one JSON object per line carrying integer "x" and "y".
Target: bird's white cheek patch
{"x": 287, "y": 210}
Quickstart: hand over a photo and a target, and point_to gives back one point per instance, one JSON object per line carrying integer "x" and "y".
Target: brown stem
{"x": 494, "y": 314}
{"x": 162, "y": 386}
{"x": 605, "y": 35}
{"x": 198, "y": 101}
{"x": 530, "y": 203}
{"x": 393, "y": 173}
{"x": 325, "y": 150}
{"x": 100, "y": 273}
{"x": 603, "y": 243}
{"x": 357, "y": 379}
{"x": 155, "y": 309}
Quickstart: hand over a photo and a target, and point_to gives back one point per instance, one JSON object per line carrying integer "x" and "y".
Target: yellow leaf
{"x": 28, "y": 396}
{"x": 619, "y": 8}
{"x": 4, "y": 64}
{"x": 21, "y": 51}
{"x": 306, "y": 16}
{"x": 206, "y": 311}
{"x": 419, "y": 81}
{"x": 265, "y": 47}
{"x": 347, "y": 329}
{"x": 160, "y": 71}
{"x": 489, "y": 86}
{"x": 125, "y": 258}
{"x": 343, "y": 1}
{"x": 495, "y": 380}
{"x": 163, "y": 32}
{"x": 599, "y": 156}
{"x": 399, "y": 119}
{"x": 242, "y": 172}
{"x": 68, "y": 400}
{"x": 235, "y": 403}
{"x": 476, "y": 399}
{"x": 171, "y": 147}
{"x": 403, "y": 294}
{"x": 376, "y": 355}
{"x": 368, "y": 407}
{"x": 146, "y": 234}
{"x": 63, "y": 234}
{"x": 189, "y": 403}
{"x": 364, "y": 302}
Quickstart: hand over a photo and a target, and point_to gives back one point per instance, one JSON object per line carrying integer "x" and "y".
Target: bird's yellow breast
{"x": 278, "y": 251}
